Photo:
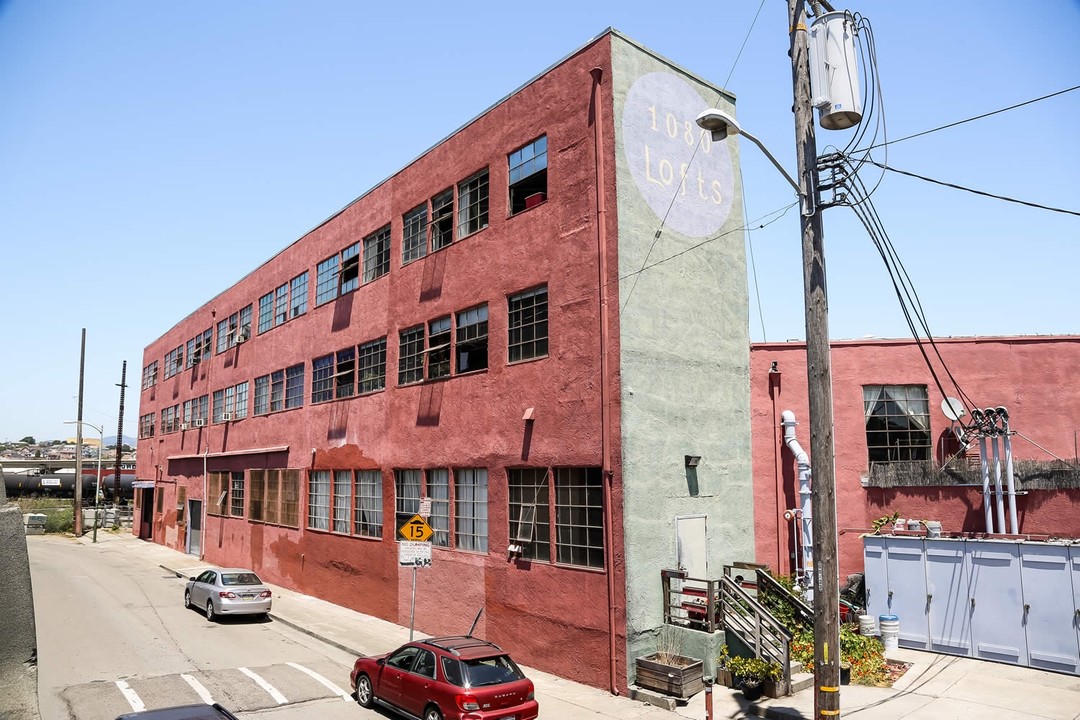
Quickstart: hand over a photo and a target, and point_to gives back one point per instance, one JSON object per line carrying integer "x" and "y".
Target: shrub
{"x": 754, "y": 669}
{"x": 864, "y": 654}
{"x": 59, "y": 520}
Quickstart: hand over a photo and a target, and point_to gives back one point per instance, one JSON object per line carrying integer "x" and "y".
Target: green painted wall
{"x": 684, "y": 333}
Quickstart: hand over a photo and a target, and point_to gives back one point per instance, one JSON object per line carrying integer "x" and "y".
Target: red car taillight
{"x": 264, "y": 593}
{"x": 529, "y": 696}
{"x": 466, "y": 702}
{"x": 227, "y": 594}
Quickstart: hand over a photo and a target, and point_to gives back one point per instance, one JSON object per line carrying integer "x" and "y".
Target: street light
{"x": 97, "y": 481}
{"x": 722, "y": 126}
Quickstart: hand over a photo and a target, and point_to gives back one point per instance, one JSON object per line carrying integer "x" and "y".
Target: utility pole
{"x": 819, "y": 384}
{"x": 119, "y": 436}
{"x": 76, "y": 518}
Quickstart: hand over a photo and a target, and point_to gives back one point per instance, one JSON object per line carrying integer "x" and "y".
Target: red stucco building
{"x": 486, "y": 338}
{"x": 897, "y": 451}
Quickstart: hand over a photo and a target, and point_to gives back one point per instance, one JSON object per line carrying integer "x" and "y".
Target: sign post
{"x": 414, "y": 550}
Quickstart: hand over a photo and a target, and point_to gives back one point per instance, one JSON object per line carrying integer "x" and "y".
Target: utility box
{"x": 34, "y": 523}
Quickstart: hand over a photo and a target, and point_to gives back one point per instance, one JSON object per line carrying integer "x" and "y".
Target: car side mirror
{"x": 191, "y": 578}
{"x": 380, "y": 661}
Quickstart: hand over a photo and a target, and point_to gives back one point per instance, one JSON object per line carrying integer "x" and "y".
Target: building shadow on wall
{"x": 342, "y": 312}
{"x": 430, "y": 406}
{"x": 338, "y": 425}
{"x": 434, "y": 268}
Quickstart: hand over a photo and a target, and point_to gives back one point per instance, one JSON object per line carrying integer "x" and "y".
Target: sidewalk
{"x": 935, "y": 686}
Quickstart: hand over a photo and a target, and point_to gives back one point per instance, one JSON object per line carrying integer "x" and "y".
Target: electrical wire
{"x": 954, "y": 186}
{"x": 977, "y": 117}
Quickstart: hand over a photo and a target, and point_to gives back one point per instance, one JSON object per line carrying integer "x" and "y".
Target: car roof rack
{"x": 456, "y": 643}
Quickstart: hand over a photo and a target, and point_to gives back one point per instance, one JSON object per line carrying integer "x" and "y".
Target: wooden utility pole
{"x": 119, "y": 437}
{"x": 76, "y": 518}
{"x": 819, "y": 385}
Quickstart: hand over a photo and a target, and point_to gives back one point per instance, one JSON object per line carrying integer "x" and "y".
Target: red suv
{"x": 446, "y": 678}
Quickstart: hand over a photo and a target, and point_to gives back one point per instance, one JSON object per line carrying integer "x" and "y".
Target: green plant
{"x": 754, "y": 670}
{"x": 883, "y": 521}
{"x": 60, "y": 521}
{"x": 864, "y": 654}
{"x": 725, "y": 657}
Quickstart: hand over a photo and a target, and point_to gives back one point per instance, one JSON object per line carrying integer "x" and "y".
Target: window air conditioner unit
{"x": 226, "y": 416}
{"x": 183, "y": 427}
{"x": 241, "y": 337}
{"x": 199, "y": 422}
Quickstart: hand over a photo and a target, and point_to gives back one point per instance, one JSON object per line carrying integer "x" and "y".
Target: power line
{"x": 972, "y": 190}
{"x": 977, "y": 117}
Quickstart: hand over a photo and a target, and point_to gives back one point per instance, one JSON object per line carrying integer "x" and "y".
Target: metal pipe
{"x": 787, "y": 419}
{"x": 1009, "y": 480}
{"x": 999, "y": 502}
{"x": 984, "y": 465}
{"x": 605, "y": 379}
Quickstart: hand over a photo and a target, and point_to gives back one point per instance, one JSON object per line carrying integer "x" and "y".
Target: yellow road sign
{"x": 416, "y": 529}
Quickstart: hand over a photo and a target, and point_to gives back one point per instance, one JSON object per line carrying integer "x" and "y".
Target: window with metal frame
{"x": 472, "y": 339}
{"x": 442, "y": 219}
{"x": 149, "y": 375}
{"x": 579, "y": 517}
{"x": 294, "y": 386}
{"x": 373, "y": 366}
{"x": 530, "y": 514}
{"x": 377, "y": 254}
{"x": 438, "y": 489}
{"x": 174, "y": 361}
{"x": 527, "y": 324}
{"x": 298, "y": 289}
{"x": 367, "y": 521}
{"x": 345, "y": 373}
{"x": 897, "y": 423}
{"x": 528, "y": 175}
{"x": 349, "y": 277}
{"x": 217, "y": 489}
{"x": 343, "y": 484}
{"x": 406, "y": 498}
{"x": 473, "y": 204}
{"x": 236, "y": 493}
{"x": 326, "y": 280}
{"x": 146, "y": 425}
{"x": 266, "y": 312}
{"x": 438, "y": 360}
{"x": 281, "y": 305}
{"x": 319, "y": 500}
{"x": 471, "y": 509}
{"x": 411, "y": 355}
{"x": 322, "y": 379}
{"x": 414, "y": 234}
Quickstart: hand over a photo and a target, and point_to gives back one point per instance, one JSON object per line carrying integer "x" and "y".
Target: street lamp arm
{"x": 774, "y": 161}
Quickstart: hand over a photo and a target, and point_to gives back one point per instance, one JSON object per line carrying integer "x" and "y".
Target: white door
{"x": 691, "y": 547}
{"x": 194, "y": 537}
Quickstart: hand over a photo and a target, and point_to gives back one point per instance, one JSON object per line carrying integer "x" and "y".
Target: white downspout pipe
{"x": 988, "y": 510}
{"x": 999, "y": 503}
{"x": 787, "y": 419}
{"x": 1009, "y": 480}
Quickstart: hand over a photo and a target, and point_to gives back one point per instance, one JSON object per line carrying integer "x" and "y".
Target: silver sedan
{"x": 228, "y": 591}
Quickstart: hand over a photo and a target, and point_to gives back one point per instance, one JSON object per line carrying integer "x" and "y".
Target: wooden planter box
{"x": 776, "y": 688}
{"x": 724, "y": 678}
{"x": 681, "y": 676}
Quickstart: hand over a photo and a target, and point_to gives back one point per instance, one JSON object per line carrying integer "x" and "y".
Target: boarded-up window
{"x": 217, "y": 488}
{"x": 274, "y": 497}
{"x": 181, "y": 505}
{"x": 160, "y": 500}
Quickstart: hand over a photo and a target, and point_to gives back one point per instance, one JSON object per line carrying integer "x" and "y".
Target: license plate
{"x": 247, "y": 596}
{"x": 509, "y": 717}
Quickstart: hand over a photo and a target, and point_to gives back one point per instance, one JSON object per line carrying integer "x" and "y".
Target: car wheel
{"x": 210, "y": 611}
{"x": 364, "y": 694}
{"x": 187, "y": 599}
{"x": 432, "y": 713}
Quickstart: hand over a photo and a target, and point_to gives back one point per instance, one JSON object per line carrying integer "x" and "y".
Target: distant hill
{"x": 111, "y": 440}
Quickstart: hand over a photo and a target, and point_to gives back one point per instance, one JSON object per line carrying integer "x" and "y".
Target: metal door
{"x": 1048, "y": 607}
{"x": 997, "y": 630}
{"x": 194, "y": 536}
{"x": 692, "y": 547}
{"x": 948, "y": 592}
{"x": 876, "y": 575}
{"x": 907, "y": 590}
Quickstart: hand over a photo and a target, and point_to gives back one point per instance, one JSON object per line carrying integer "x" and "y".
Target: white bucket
{"x": 890, "y": 631}
{"x": 900, "y": 524}
{"x": 867, "y": 626}
{"x": 914, "y": 524}
{"x": 933, "y": 529}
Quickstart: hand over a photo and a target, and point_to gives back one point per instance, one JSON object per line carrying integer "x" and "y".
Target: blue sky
{"x": 151, "y": 154}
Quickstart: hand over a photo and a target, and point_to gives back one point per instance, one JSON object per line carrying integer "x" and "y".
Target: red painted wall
{"x": 1031, "y": 376}
{"x": 549, "y": 616}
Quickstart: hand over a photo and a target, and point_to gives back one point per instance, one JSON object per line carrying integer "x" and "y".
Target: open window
{"x": 528, "y": 175}
{"x": 442, "y": 219}
{"x": 472, "y": 339}
{"x": 349, "y": 276}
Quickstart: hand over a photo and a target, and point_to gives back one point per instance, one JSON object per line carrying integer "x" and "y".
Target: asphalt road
{"x": 113, "y": 635}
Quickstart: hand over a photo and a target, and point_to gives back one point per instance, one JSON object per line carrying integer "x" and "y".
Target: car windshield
{"x": 244, "y": 578}
{"x": 491, "y": 671}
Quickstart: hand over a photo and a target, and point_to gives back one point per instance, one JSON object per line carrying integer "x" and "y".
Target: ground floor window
{"x": 274, "y": 497}
{"x": 573, "y": 514}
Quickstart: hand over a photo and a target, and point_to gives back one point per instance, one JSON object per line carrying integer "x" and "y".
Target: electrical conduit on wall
{"x": 787, "y": 419}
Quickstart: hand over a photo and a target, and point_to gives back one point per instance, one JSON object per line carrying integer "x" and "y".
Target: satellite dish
{"x": 953, "y": 408}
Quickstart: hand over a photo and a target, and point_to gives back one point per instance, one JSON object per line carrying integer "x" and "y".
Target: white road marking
{"x": 131, "y": 696}
{"x": 199, "y": 688}
{"x": 281, "y": 699}
{"x": 331, "y": 686}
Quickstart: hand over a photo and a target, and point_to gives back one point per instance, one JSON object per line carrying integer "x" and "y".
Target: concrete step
{"x": 801, "y": 681}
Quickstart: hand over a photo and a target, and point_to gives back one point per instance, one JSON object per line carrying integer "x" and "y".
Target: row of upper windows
{"x": 453, "y": 344}
{"x": 426, "y": 228}
{"x": 555, "y": 515}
